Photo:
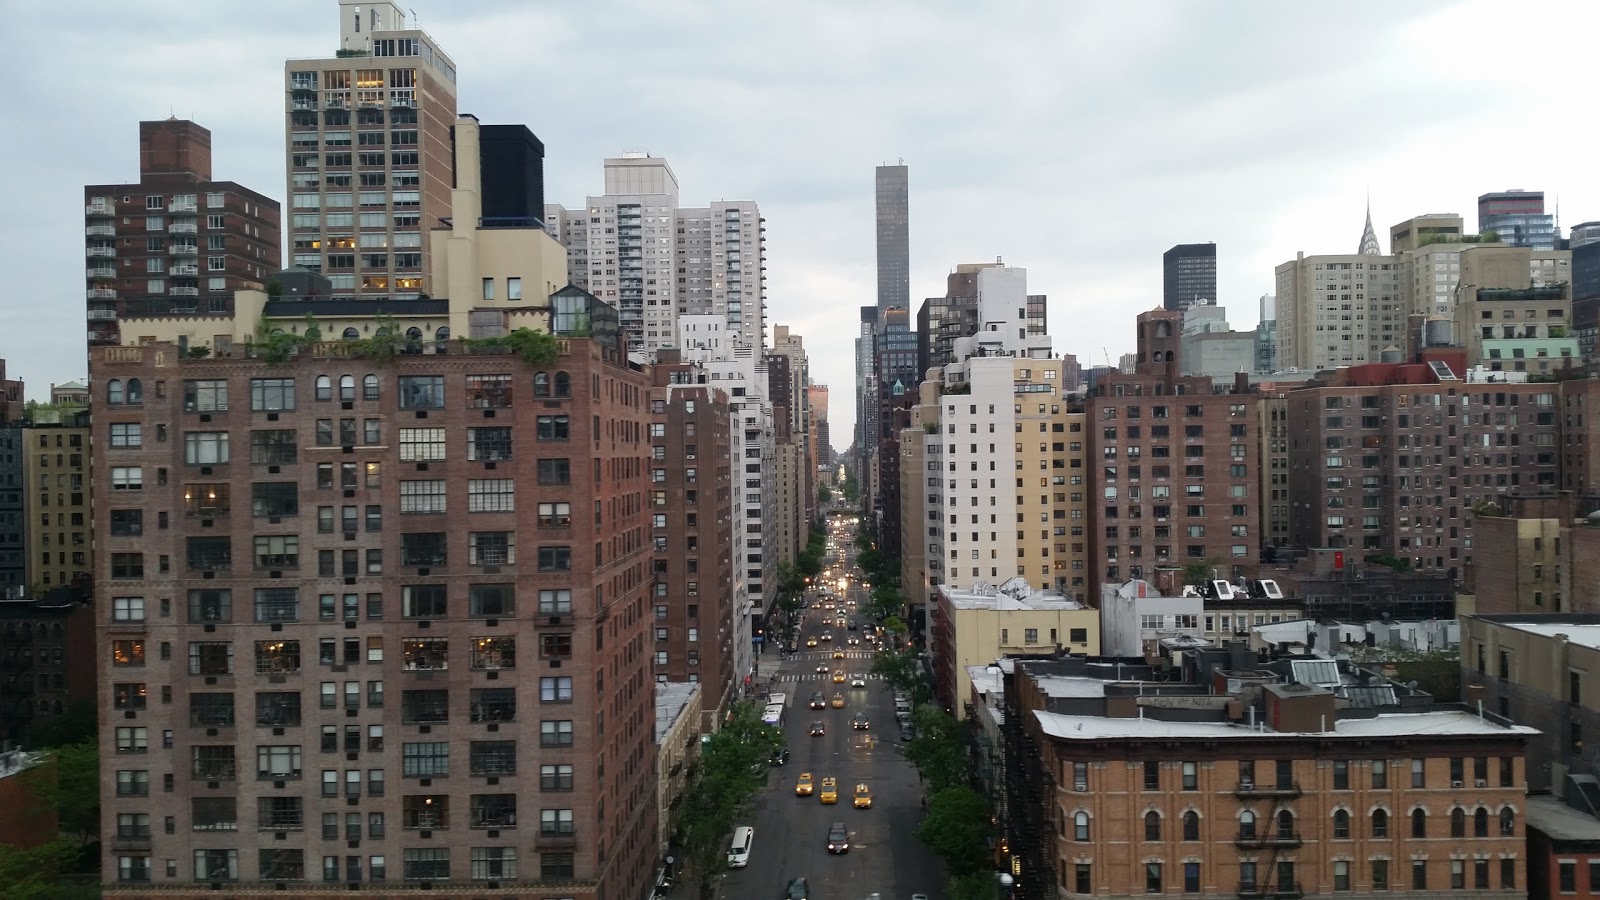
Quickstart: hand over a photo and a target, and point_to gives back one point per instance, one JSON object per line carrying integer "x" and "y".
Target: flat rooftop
{"x": 1419, "y": 724}
{"x": 1582, "y": 635}
{"x": 1560, "y": 821}
{"x": 1003, "y": 603}
{"x": 671, "y": 698}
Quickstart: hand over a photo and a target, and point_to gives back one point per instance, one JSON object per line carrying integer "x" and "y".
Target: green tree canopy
{"x": 733, "y": 767}
{"x": 957, "y": 828}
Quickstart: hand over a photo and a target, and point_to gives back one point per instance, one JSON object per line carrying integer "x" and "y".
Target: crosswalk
{"x": 813, "y": 676}
{"x": 828, "y": 654}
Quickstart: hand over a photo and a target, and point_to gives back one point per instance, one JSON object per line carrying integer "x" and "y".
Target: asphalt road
{"x": 791, "y": 832}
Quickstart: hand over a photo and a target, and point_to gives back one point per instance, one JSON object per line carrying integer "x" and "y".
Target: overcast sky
{"x": 1078, "y": 140}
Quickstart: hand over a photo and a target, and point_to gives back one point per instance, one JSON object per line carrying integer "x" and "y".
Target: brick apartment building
{"x": 443, "y": 685}
{"x": 1172, "y": 479}
{"x": 690, "y": 532}
{"x": 176, "y": 241}
{"x": 1280, "y": 791}
{"x": 46, "y": 659}
{"x": 1391, "y": 458}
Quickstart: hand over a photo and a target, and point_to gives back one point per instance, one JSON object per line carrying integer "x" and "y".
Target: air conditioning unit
{"x": 1081, "y": 787}
{"x": 1455, "y": 784}
{"x": 1481, "y": 782}
{"x": 1247, "y": 785}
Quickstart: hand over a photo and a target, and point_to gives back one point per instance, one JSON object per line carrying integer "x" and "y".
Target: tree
{"x": 957, "y": 828}
{"x": 76, "y": 793}
{"x": 824, "y": 494}
{"x": 35, "y": 873}
{"x": 974, "y": 886}
{"x": 897, "y": 667}
{"x": 732, "y": 768}
{"x": 937, "y": 751}
{"x": 851, "y": 492}
{"x": 1198, "y": 573}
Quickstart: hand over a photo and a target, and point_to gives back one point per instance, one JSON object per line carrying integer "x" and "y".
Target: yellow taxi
{"x": 838, "y": 701}
{"x": 811, "y": 642}
{"x": 830, "y": 791}
{"x": 838, "y": 676}
{"x": 803, "y": 786}
{"x": 838, "y": 654}
{"x": 863, "y": 796}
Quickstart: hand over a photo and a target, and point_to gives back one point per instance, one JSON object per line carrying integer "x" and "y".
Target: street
{"x": 791, "y": 832}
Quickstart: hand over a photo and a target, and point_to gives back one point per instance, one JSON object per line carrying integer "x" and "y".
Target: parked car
{"x": 780, "y": 756}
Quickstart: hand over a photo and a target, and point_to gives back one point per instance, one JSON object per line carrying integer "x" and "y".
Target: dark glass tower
{"x": 894, "y": 237}
{"x": 1189, "y": 271}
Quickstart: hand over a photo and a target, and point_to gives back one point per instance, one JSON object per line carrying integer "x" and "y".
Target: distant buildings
{"x": 893, "y": 192}
{"x": 1188, "y": 276}
{"x": 1518, "y": 218}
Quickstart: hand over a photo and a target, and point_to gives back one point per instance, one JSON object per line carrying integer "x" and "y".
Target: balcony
{"x": 189, "y": 205}
{"x": 403, "y": 98}
{"x": 336, "y": 100}
{"x": 1249, "y": 890}
{"x": 102, "y": 253}
{"x": 102, "y": 315}
{"x": 183, "y": 228}
{"x": 99, "y": 208}
{"x": 102, "y": 294}
{"x": 184, "y": 250}
{"x": 304, "y": 103}
{"x": 100, "y": 231}
{"x": 184, "y": 270}
{"x": 1282, "y": 840}
{"x": 98, "y": 272}
{"x": 1250, "y": 790}
{"x": 184, "y": 291}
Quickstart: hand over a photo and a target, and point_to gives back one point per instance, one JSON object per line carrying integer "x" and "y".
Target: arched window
{"x": 1508, "y": 822}
{"x": 1191, "y": 826}
{"x": 563, "y": 384}
{"x": 1285, "y": 823}
{"x": 1152, "y": 826}
{"x": 1458, "y": 822}
{"x": 351, "y": 333}
{"x": 135, "y": 391}
{"x": 413, "y": 340}
{"x": 1163, "y": 329}
{"x": 441, "y": 339}
{"x": 369, "y": 387}
{"x": 324, "y": 388}
{"x": 1419, "y": 823}
{"x": 541, "y": 384}
{"x": 347, "y": 388}
{"x": 1380, "y": 823}
{"x": 1480, "y": 823}
{"x": 1080, "y": 826}
{"x": 114, "y": 391}
{"x": 1341, "y": 823}
{"x": 1247, "y": 824}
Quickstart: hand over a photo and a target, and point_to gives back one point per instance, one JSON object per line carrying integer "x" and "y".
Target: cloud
{"x": 1078, "y": 140}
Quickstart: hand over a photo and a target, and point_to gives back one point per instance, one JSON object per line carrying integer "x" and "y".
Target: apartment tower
{"x": 1188, "y": 275}
{"x": 894, "y": 236}
{"x": 369, "y": 153}
{"x": 176, "y": 242}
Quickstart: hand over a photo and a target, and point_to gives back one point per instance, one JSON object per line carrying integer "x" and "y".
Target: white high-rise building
{"x": 636, "y": 249}
{"x": 742, "y": 372}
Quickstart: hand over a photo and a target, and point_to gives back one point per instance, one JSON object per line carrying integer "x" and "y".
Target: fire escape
{"x": 1029, "y": 800}
{"x": 1271, "y": 834}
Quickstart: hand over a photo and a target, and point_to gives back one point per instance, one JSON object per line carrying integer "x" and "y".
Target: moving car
{"x": 863, "y": 796}
{"x": 818, "y": 701}
{"x": 838, "y": 701}
{"x": 830, "y": 791}
{"x": 853, "y": 641}
{"x": 799, "y": 890}
{"x": 838, "y": 676}
{"x": 838, "y": 838}
{"x": 818, "y": 729}
{"x": 860, "y": 722}
{"x": 839, "y": 654}
{"x": 822, "y": 668}
{"x": 803, "y": 785}
{"x": 858, "y": 681}
{"x": 780, "y": 756}
{"x": 852, "y": 627}
{"x": 811, "y": 642}
{"x": 827, "y": 636}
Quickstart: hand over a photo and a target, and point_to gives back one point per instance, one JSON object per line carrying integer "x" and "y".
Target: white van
{"x": 739, "y": 851}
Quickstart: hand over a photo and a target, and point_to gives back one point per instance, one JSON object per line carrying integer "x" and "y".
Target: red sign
{"x": 1338, "y": 559}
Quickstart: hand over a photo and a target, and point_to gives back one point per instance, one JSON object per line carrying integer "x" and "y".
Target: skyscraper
{"x": 894, "y": 237}
{"x": 1188, "y": 273}
{"x": 369, "y": 153}
{"x": 636, "y": 249}
{"x": 175, "y": 242}
{"x": 1518, "y": 217}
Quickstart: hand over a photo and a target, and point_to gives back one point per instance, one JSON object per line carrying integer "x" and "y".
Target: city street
{"x": 791, "y": 833}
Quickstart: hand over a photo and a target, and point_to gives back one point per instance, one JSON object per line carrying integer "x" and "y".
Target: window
{"x": 555, "y": 733}
{"x": 277, "y": 604}
{"x": 489, "y": 444}
{"x": 488, "y": 391}
{"x": 277, "y": 551}
{"x": 277, "y": 762}
{"x": 1190, "y": 777}
{"x": 497, "y": 758}
{"x": 421, "y": 391}
{"x": 555, "y": 559}
{"x": 1341, "y": 824}
{"x": 1419, "y": 874}
{"x": 127, "y": 609}
{"x": 1080, "y": 826}
{"x": 491, "y": 600}
{"x": 495, "y": 863}
{"x": 555, "y": 514}
{"x": 273, "y": 448}
{"x": 423, "y": 601}
{"x": 126, "y": 436}
{"x": 555, "y": 689}
{"x": 1419, "y": 823}
{"x": 555, "y": 471}
{"x": 425, "y": 760}
{"x": 1380, "y": 774}
{"x": 1380, "y": 823}
{"x": 1508, "y": 822}
{"x": 494, "y": 653}
{"x": 1341, "y": 875}
{"x": 271, "y": 394}
{"x": 490, "y": 548}
{"x": 422, "y": 496}
{"x": 491, "y": 494}
{"x": 423, "y": 548}
{"x": 555, "y": 602}
{"x": 1152, "y": 775}
{"x": 1152, "y": 878}
{"x": 555, "y": 778}
{"x": 552, "y": 866}
{"x": 1458, "y": 822}
{"x": 127, "y": 478}
{"x": 274, "y": 499}
{"x": 133, "y": 739}
{"x": 127, "y": 565}
{"x": 1152, "y": 826}
{"x": 1191, "y": 826}
{"x": 422, "y": 444}
{"x": 555, "y": 821}
{"x": 553, "y": 428}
